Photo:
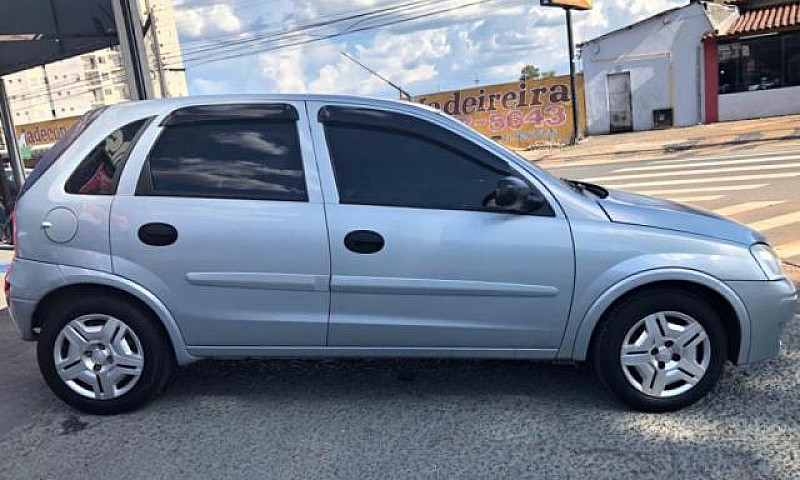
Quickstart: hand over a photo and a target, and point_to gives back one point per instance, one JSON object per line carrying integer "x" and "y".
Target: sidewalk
{"x": 770, "y": 133}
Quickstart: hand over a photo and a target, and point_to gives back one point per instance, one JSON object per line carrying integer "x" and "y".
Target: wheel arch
{"x": 98, "y": 283}
{"x": 722, "y": 298}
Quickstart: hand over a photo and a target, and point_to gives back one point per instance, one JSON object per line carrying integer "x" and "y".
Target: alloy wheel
{"x": 98, "y": 356}
{"x": 665, "y": 354}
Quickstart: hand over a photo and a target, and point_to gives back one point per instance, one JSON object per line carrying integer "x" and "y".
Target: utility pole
{"x": 568, "y": 6}
{"x": 10, "y": 135}
{"x": 131, "y": 41}
{"x": 576, "y": 121}
{"x": 50, "y": 100}
{"x": 404, "y": 95}
{"x": 162, "y": 79}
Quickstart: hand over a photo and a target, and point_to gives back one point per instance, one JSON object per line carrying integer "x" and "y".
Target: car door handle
{"x": 364, "y": 241}
{"x": 158, "y": 234}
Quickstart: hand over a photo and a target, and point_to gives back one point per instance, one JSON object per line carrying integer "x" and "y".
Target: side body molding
{"x": 577, "y": 348}
{"x": 78, "y": 276}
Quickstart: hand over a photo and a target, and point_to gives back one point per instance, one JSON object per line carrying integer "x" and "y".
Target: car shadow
{"x": 359, "y": 379}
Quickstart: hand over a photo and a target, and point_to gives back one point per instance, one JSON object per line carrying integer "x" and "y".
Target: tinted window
{"x": 384, "y": 166}
{"x": 98, "y": 173}
{"x": 228, "y": 159}
{"x": 59, "y": 148}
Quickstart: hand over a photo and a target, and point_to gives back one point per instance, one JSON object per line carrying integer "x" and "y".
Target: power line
{"x": 269, "y": 46}
{"x": 294, "y": 31}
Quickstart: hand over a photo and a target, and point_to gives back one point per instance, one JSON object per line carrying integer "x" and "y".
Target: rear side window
{"x": 59, "y": 148}
{"x": 99, "y": 172}
{"x": 244, "y": 158}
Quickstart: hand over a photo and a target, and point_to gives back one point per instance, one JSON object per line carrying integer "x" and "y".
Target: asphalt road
{"x": 400, "y": 419}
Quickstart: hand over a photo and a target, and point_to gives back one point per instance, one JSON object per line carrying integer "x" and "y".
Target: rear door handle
{"x": 158, "y": 234}
{"x": 364, "y": 241}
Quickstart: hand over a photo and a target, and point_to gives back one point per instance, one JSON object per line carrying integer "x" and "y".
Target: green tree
{"x": 530, "y": 72}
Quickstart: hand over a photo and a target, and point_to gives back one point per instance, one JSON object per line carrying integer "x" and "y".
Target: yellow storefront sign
{"x": 535, "y": 113}
{"x": 574, "y": 4}
{"x": 45, "y": 133}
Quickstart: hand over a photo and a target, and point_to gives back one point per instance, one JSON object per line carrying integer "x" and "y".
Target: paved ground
{"x": 400, "y": 419}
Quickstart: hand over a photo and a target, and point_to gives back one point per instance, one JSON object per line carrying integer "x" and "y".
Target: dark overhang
{"x": 35, "y": 32}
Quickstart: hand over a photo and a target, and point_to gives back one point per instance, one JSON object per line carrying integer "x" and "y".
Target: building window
{"x": 762, "y": 63}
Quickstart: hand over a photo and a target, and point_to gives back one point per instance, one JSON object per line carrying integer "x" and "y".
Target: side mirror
{"x": 513, "y": 194}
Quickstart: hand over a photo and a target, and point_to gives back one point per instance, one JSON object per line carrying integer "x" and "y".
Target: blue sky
{"x": 488, "y": 42}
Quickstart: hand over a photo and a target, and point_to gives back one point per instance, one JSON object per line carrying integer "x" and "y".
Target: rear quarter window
{"x": 99, "y": 172}
{"x": 52, "y": 155}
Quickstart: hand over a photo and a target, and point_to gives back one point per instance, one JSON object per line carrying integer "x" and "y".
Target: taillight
{"x": 15, "y": 239}
{"x": 6, "y": 282}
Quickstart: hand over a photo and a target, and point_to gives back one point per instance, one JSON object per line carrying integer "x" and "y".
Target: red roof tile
{"x": 767, "y": 19}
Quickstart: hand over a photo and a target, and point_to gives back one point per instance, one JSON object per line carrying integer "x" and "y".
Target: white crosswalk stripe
{"x": 689, "y": 173}
{"x": 772, "y": 223}
{"x": 684, "y": 191}
{"x": 695, "y": 199}
{"x": 678, "y": 164}
{"x": 732, "y": 210}
{"x": 696, "y": 181}
{"x": 789, "y": 250}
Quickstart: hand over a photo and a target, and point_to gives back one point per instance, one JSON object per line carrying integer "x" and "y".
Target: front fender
{"x": 577, "y": 348}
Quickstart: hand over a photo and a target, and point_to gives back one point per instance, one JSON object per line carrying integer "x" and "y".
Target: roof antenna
{"x": 404, "y": 95}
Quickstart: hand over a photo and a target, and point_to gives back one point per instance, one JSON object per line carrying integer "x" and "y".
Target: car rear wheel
{"x": 103, "y": 355}
{"x": 661, "y": 350}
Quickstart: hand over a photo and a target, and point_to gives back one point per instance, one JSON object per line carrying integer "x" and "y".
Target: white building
{"x": 73, "y": 86}
{"x": 700, "y": 63}
{"x": 650, "y": 74}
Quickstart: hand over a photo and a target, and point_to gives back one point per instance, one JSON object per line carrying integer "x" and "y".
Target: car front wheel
{"x": 661, "y": 350}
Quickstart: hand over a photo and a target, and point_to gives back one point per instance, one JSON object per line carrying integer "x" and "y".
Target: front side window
{"x": 400, "y": 161}
{"x": 241, "y": 159}
{"x": 99, "y": 172}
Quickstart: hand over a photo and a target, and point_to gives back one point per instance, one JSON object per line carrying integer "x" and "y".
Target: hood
{"x": 623, "y": 207}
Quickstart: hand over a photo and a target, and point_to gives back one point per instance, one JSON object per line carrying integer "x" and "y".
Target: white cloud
{"x": 491, "y": 41}
{"x": 213, "y": 19}
{"x": 203, "y": 86}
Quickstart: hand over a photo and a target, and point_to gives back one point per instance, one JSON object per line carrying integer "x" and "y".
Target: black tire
{"x": 609, "y": 338}
{"x": 159, "y": 360}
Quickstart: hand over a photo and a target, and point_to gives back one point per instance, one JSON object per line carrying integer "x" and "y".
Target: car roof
{"x": 148, "y": 106}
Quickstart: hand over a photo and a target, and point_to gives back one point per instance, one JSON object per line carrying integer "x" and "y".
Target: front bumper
{"x": 770, "y": 305}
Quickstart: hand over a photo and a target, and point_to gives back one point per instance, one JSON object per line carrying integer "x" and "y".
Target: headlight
{"x": 768, "y": 260}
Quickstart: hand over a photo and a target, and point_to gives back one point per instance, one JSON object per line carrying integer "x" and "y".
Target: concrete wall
{"x": 758, "y": 104}
{"x": 663, "y": 56}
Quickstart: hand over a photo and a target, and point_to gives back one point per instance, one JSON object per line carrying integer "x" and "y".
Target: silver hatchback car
{"x": 159, "y": 233}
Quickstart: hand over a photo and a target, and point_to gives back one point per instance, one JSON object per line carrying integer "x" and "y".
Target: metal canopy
{"x": 35, "y": 32}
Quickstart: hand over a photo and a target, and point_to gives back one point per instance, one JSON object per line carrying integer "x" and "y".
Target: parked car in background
{"x": 162, "y": 232}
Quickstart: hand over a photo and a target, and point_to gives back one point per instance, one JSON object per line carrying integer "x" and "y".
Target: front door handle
{"x": 158, "y": 234}
{"x": 364, "y": 241}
